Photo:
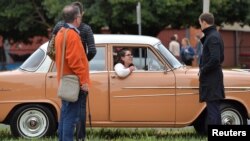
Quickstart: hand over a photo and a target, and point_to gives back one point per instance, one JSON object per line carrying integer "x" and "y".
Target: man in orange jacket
{"x": 75, "y": 62}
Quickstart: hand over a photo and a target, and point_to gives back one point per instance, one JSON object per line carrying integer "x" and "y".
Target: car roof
{"x": 120, "y": 39}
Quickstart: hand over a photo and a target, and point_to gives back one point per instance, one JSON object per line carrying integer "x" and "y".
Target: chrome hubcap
{"x": 33, "y": 123}
{"x": 231, "y": 118}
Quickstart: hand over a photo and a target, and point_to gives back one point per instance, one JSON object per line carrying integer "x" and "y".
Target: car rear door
{"x": 98, "y": 90}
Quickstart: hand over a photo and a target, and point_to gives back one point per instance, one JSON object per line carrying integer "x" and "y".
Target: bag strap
{"x": 63, "y": 51}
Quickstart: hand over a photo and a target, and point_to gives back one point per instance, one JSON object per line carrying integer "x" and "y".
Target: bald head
{"x": 70, "y": 13}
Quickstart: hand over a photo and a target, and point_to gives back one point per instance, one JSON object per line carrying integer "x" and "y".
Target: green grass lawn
{"x": 123, "y": 134}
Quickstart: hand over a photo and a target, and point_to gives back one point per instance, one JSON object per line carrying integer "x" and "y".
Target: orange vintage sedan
{"x": 161, "y": 92}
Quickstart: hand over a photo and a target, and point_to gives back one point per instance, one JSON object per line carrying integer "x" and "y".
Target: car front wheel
{"x": 33, "y": 121}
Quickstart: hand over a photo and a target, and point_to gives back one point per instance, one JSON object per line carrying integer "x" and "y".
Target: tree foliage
{"x": 230, "y": 11}
{"x": 21, "y": 19}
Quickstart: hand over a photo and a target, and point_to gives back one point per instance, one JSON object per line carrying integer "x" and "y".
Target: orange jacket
{"x": 75, "y": 60}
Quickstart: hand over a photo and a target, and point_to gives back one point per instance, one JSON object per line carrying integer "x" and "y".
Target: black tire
{"x": 33, "y": 121}
{"x": 200, "y": 124}
{"x": 230, "y": 115}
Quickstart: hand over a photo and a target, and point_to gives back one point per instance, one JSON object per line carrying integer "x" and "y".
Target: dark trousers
{"x": 71, "y": 115}
{"x": 81, "y": 125}
{"x": 213, "y": 112}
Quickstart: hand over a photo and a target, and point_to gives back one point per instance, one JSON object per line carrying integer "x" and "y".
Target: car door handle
{"x": 52, "y": 76}
{"x": 113, "y": 76}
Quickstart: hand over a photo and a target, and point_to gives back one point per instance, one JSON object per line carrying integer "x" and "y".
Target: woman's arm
{"x": 121, "y": 71}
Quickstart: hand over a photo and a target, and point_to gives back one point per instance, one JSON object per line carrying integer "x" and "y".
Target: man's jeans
{"x": 70, "y": 116}
{"x": 81, "y": 125}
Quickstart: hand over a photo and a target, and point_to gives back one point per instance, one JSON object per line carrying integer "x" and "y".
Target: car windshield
{"x": 168, "y": 56}
{"x": 34, "y": 61}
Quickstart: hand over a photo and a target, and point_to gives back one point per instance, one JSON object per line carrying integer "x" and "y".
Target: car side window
{"x": 98, "y": 62}
{"x": 143, "y": 58}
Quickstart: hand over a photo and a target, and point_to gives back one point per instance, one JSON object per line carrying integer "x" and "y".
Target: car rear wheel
{"x": 33, "y": 121}
{"x": 230, "y": 115}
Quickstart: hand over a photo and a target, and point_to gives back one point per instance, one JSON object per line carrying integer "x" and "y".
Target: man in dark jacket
{"x": 211, "y": 75}
{"x": 86, "y": 34}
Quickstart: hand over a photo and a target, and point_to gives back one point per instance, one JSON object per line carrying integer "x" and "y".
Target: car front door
{"x": 147, "y": 94}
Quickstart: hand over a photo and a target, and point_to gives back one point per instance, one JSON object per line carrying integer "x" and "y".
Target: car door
{"x": 98, "y": 90}
{"x": 147, "y": 94}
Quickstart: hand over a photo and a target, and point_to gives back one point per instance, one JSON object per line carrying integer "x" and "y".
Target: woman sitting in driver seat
{"x": 124, "y": 65}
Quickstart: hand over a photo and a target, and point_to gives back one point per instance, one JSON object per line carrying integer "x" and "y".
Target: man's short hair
{"x": 70, "y": 13}
{"x": 79, "y": 4}
{"x": 207, "y": 17}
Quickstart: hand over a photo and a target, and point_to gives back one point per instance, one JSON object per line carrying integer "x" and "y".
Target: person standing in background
{"x": 187, "y": 52}
{"x": 7, "y": 47}
{"x": 2, "y": 54}
{"x": 86, "y": 34}
{"x": 198, "y": 48}
{"x": 75, "y": 62}
{"x": 177, "y": 38}
{"x": 211, "y": 89}
{"x": 174, "y": 47}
